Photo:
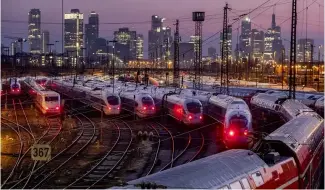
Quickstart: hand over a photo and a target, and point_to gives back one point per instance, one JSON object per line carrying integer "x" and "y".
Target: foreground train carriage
{"x": 236, "y": 117}
{"x": 290, "y": 157}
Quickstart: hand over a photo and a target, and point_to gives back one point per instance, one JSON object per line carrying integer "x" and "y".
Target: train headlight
{"x": 144, "y": 108}
{"x": 245, "y": 132}
{"x": 46, "y": 108}
{"x": 153, "y": 108}
{"x": 190, "y": 117}
{"x": 118, "y": 108}
{"x": 201, "y": 117}
{"x": 109, "y": 108}
{"x": 231, "y": 133}
{"x": 57, "y": 108}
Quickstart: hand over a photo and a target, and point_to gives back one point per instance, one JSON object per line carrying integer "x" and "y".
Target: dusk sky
{"x": 112, "y": 11}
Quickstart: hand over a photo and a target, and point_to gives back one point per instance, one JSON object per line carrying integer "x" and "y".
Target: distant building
{"x": 273, "y": 42}
{"x": 186, "y": 54}
{"x": 245, "y": 36}
{"x": 45, "y": 41}
{"x": 212, "y": 52}
{"x": 228, "y": 49}
{"x": 257, "y": 43}
{"x": 125, "y": 47}
{"x": 34, "y": 31}
{"x": 92, "y": 33}
{"x": 304, "y": 49}
{"x": 160, "y": 40}
{"x": 73, "y": 33}
{"x": 139, "y": 46}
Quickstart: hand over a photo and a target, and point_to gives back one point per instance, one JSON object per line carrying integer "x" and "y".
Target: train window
{"x": 235, "y": 185}
{"x": 245, "y": 183}
{"x": 112, "y": 100}
{"x": 258, "y": 180}
{"x": 147, "y": 101}
{"x": 51, "y": 98}
{"x": 237, "y": 102}
{"x": 193, "y": 107}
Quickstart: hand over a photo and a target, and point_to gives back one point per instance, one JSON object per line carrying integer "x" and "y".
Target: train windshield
{"x": 147, "y": 101}
{"x": 15, "y": 86}
{"x": 112, "y": 100}
{"x": 193, "y": 107}
{"x": 238, "y": 123}
{"x": 237, "y": 102}
{"x": 51, "y": 98}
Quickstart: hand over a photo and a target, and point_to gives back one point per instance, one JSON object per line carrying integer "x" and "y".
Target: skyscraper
{"x": 304, "y": 47}
{"x": 160, "y": 40}
{"x": 139, "y": 46}
{"x": 228, "y": 49}
{"x": 45, "y": 41}
{"x": 245, "y": 37}
{"x": 126, "y": 43}
{"x": 73, "y": 33}
{"x": 212, "y": 52}
{"x": 34, "y": 30}
{"x": 92, "y": 32}
{"x": 273, "y": 42}
{"x": 257, "y": 43}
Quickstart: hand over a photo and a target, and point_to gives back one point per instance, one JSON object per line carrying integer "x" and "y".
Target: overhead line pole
{"x": 292, "y": 65}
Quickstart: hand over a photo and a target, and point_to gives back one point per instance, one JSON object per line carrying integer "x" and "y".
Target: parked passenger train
{"x": 236, "y": 117}
{"x": 48, "y": 101}
{"x": 99, "y": 98}
{"x": 187, "y": 110}
{"x": 292, "y": 157}
{"x": 141, "y": 103}
{"x": 15, "y": 87}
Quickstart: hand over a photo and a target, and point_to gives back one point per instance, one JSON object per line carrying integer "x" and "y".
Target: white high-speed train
{"x": 236, "y": 117}
{"x": 139, "y": 102}
{"x": 187, "y": 110}
{"x": 99, "y": 98}
{"x": 15, "y": 87}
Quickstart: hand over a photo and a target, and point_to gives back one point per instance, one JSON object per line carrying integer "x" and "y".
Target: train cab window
{"x": 112, "y": 100}
{"x": 193, "y": 107}
{"x": 147, "y": 101}
{"x": 51, "y": 98}
{"x": 235, "y": 185}
{"x": 245, "y": 183}
{"x": 258, "y": 180}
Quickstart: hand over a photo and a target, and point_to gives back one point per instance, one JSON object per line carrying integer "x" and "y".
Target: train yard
{"x": 92, "y": 148}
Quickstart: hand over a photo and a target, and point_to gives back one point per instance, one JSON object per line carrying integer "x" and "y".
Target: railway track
{"x": 48, "y": 136}
{"x": 106, "y": 168}
{"x": 87, "y": 135}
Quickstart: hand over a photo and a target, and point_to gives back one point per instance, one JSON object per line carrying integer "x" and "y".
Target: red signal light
{"x": 231, "y": 133}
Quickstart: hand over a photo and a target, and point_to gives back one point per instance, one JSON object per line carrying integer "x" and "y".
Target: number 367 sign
{"x": 41, "y": 152}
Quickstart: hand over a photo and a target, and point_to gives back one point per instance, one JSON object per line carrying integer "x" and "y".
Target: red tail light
{"x": 109, "y": 108}
{"x": 231, "y": 133}
{"x": 190, "y": 117}
{"x": 46, "y": 108}
{"x": 57, "y": 108}
{"x": 245, "y": 132}
{"x": 118, "y": 108}
{"x": 144, "y": 108}
{"x": 201, "y": 117}
{"x": 12, "y": 90}
{"x": 153, "y": 108}
{"x": 18, "y": 90}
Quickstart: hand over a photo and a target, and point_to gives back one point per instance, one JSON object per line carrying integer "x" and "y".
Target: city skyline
{"x": 210, "y": 26}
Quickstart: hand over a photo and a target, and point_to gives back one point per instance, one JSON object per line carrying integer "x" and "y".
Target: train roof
{"x": 206, "y": 173}
{"x": 292, "y": 108}
{"x": 223, "y": 100}
{"x": 178, "y": 99}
